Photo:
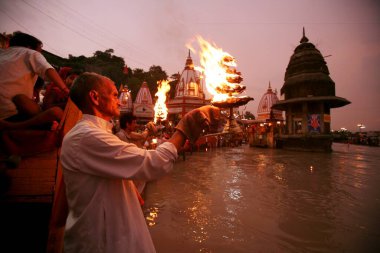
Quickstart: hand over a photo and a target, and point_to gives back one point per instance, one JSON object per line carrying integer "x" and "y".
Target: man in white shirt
{"x": 98, "y": 169}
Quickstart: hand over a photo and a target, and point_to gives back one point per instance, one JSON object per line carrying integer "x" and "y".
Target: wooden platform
{"x": 32, "y": 196}
{"x": 26, "y": 202}
{"x": 33, "y": 180}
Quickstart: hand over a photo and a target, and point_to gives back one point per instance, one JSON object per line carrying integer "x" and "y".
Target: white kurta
{"x": 19, "y": 68}
{"x": 104, "y": 212}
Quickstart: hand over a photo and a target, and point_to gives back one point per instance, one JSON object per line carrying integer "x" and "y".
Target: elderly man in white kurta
{"x": 104, "y": 211}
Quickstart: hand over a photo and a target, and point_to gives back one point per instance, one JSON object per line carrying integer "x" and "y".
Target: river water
{"x": 248, "y": 199}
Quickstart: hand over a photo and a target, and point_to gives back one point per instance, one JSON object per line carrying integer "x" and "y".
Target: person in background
{"x": 129, "y": 134}
{"x": 54, "y": 95}
{"x": 98, "y": 169}
{"x": 20, "y": 65}
{"x": 38, "y": 87}
{"x": 128, "y": 131}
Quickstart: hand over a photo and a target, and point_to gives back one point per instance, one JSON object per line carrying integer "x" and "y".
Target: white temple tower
{"x": 143, "y": 107}
{"x": 188, "y": 92}
{"x": 264, "y": 110}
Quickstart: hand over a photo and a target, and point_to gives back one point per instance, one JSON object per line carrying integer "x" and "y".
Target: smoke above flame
{"x": 160, "y": 109}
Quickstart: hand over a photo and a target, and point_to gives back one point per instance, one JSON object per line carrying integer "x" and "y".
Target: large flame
{"x": 160, "y": 109}
{"x": 219, "y": 69}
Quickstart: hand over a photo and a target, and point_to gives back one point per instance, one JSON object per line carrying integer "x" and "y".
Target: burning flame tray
{"x": 232, "y": 102}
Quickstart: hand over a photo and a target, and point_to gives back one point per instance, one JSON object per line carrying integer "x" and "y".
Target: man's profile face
{"x": 109, "y": 101}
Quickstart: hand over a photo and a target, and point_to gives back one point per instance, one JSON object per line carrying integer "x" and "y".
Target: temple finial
{"x": 304, "y": 39}
{"x": 189, "y": 62}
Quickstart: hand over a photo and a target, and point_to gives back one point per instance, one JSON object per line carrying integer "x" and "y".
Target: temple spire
{"x": 189, "y": 62}
{"x": 304, "y": 39}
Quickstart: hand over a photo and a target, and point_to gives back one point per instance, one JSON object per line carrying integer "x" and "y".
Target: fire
{"x": 219, "y": 67}
{"x": 160, "y": 109}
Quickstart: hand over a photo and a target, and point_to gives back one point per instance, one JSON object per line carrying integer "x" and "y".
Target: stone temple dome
{"x": 264, "y": 110}
{"x": 309, "y": 96}
{"x": 307, "y": 77}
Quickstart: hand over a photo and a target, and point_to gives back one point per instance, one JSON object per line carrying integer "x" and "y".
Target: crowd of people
{"x": 101, "y": 169}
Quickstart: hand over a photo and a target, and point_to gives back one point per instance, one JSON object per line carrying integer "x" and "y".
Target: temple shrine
{"x": 188, "y": 92}
{"x": 309, "y": 95}
{"x": 125, "y": 99}
{"x": 264, "y": 110}
{"x": 268, "y": 123}
{"x": 143, "y": 107}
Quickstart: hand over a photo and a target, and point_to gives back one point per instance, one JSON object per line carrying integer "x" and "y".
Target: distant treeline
{"x": 114, "y": 67}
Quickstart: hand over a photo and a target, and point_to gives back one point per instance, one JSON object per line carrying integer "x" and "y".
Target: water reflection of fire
{"x": 160, "y": 109}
